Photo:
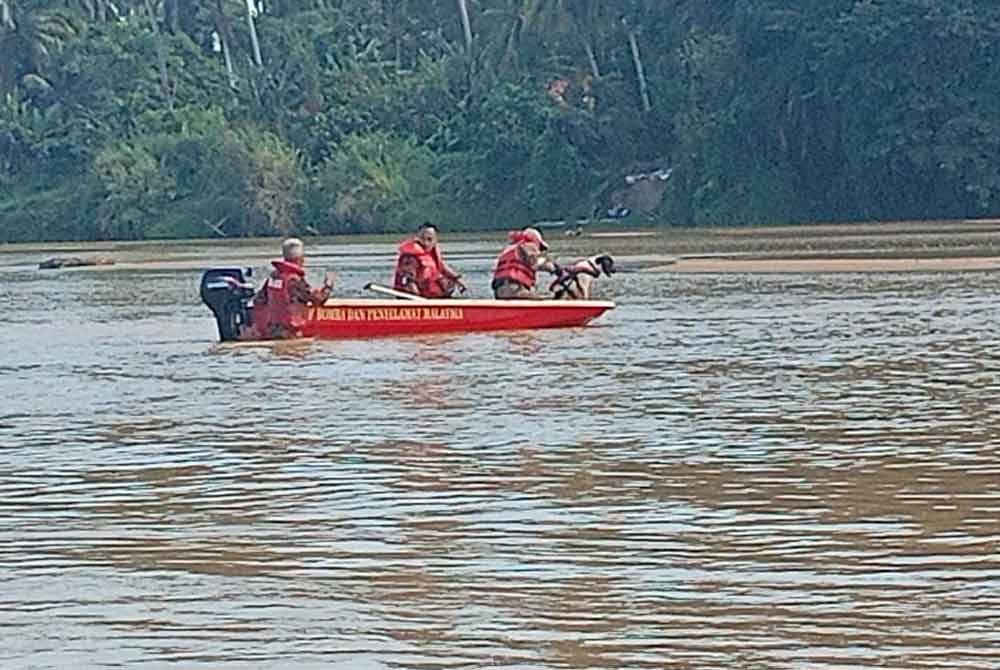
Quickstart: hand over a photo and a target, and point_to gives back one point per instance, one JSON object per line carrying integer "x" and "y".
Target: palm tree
{"x": 640, "y": 71}
{"x": 580, "y": 18}
{"x": 28, "y": 40}
{"x": 583, "y": 18}
{"x": 97, "y": 11}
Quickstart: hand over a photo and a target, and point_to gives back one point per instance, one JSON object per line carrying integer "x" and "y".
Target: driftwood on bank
{"x": 74, "y": 262}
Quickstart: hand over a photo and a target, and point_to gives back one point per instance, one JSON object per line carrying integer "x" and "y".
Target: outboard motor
{"x": 228, "y": 293}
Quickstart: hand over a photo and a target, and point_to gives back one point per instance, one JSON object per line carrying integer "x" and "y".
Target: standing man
{"x": 420, "y": 270}
{"x": 514, "y": 273}
{"x": 280, "y": 306}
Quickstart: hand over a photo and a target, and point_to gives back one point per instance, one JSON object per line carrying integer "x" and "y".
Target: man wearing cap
{"x": 280, "y": 306}
{"x": 420, "y": 270}
{"x": 514, "y": 273}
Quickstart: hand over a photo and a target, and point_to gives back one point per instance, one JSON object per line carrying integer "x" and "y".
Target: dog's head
{"x": 606, "y": 263}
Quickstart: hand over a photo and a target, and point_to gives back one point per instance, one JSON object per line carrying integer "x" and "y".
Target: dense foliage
{"x": 133, "y": 119}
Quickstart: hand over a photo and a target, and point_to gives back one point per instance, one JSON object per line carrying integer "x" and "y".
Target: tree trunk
{"x": 222, "y": 27}
{"x": 463, "y": 9}
{"x": 6, "y": 64}
{"x": 640, "y": 72}
{"x": 591, "y": 58}
{"x": 160, "y": 56}
{"x": 228, "y": 58}
{"x": 513, "y": 37}
{"x": 7, "y": 15}
{"x": 253, "y": 34}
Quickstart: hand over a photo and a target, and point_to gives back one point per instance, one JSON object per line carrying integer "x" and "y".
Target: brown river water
{"x": 727, "y": 471}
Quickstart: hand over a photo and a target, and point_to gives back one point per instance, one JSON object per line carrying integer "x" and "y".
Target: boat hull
{"x": 359, "y": 318}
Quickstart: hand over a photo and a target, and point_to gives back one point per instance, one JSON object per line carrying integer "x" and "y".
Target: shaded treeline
{"x": 161, "y": 118}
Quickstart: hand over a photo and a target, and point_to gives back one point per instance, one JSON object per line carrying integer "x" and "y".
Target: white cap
{"x": 292, "y": 248}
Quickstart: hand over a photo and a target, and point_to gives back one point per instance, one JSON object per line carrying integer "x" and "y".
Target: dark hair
{"x": 427, "y": 225}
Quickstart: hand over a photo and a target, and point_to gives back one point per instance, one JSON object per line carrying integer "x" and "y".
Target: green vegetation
{"x": 140, "y": 119}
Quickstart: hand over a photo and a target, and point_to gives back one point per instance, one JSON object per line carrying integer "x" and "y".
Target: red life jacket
{"x": 280, "y": 312}
{"x": 428, "y": 274}
{"x": 512, "y": 267}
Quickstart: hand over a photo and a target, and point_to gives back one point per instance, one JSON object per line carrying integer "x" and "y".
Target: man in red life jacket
{"x": 514, "y": 273}
{"x": 420, "y": 270}
{"x": 281, "y": 305}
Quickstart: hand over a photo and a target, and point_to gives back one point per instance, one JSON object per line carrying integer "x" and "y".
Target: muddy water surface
{"x": 727, "y": 471}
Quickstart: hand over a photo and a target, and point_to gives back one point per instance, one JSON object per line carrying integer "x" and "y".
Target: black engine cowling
{"x": 229, "y": 294}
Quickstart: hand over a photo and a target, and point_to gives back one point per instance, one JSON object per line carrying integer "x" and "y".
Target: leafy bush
{"x": 377, "y": 182}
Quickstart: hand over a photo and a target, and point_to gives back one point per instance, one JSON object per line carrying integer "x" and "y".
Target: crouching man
{"x": 517, "y": 265}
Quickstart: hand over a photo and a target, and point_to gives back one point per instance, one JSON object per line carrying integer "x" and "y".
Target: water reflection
{"x": 730, "y": 471}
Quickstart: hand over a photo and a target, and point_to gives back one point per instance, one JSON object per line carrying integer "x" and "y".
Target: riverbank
{"x": 797, "y": 266}
{"x": 899, "y": 246}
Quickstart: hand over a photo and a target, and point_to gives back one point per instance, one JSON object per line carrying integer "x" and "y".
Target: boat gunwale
{"x": 473, "y": 302}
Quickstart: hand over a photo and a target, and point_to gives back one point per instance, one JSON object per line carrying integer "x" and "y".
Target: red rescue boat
{"x": 228, "y": 294}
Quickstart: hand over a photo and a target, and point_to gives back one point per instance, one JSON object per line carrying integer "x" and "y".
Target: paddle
{"x": 385, "y": 290}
